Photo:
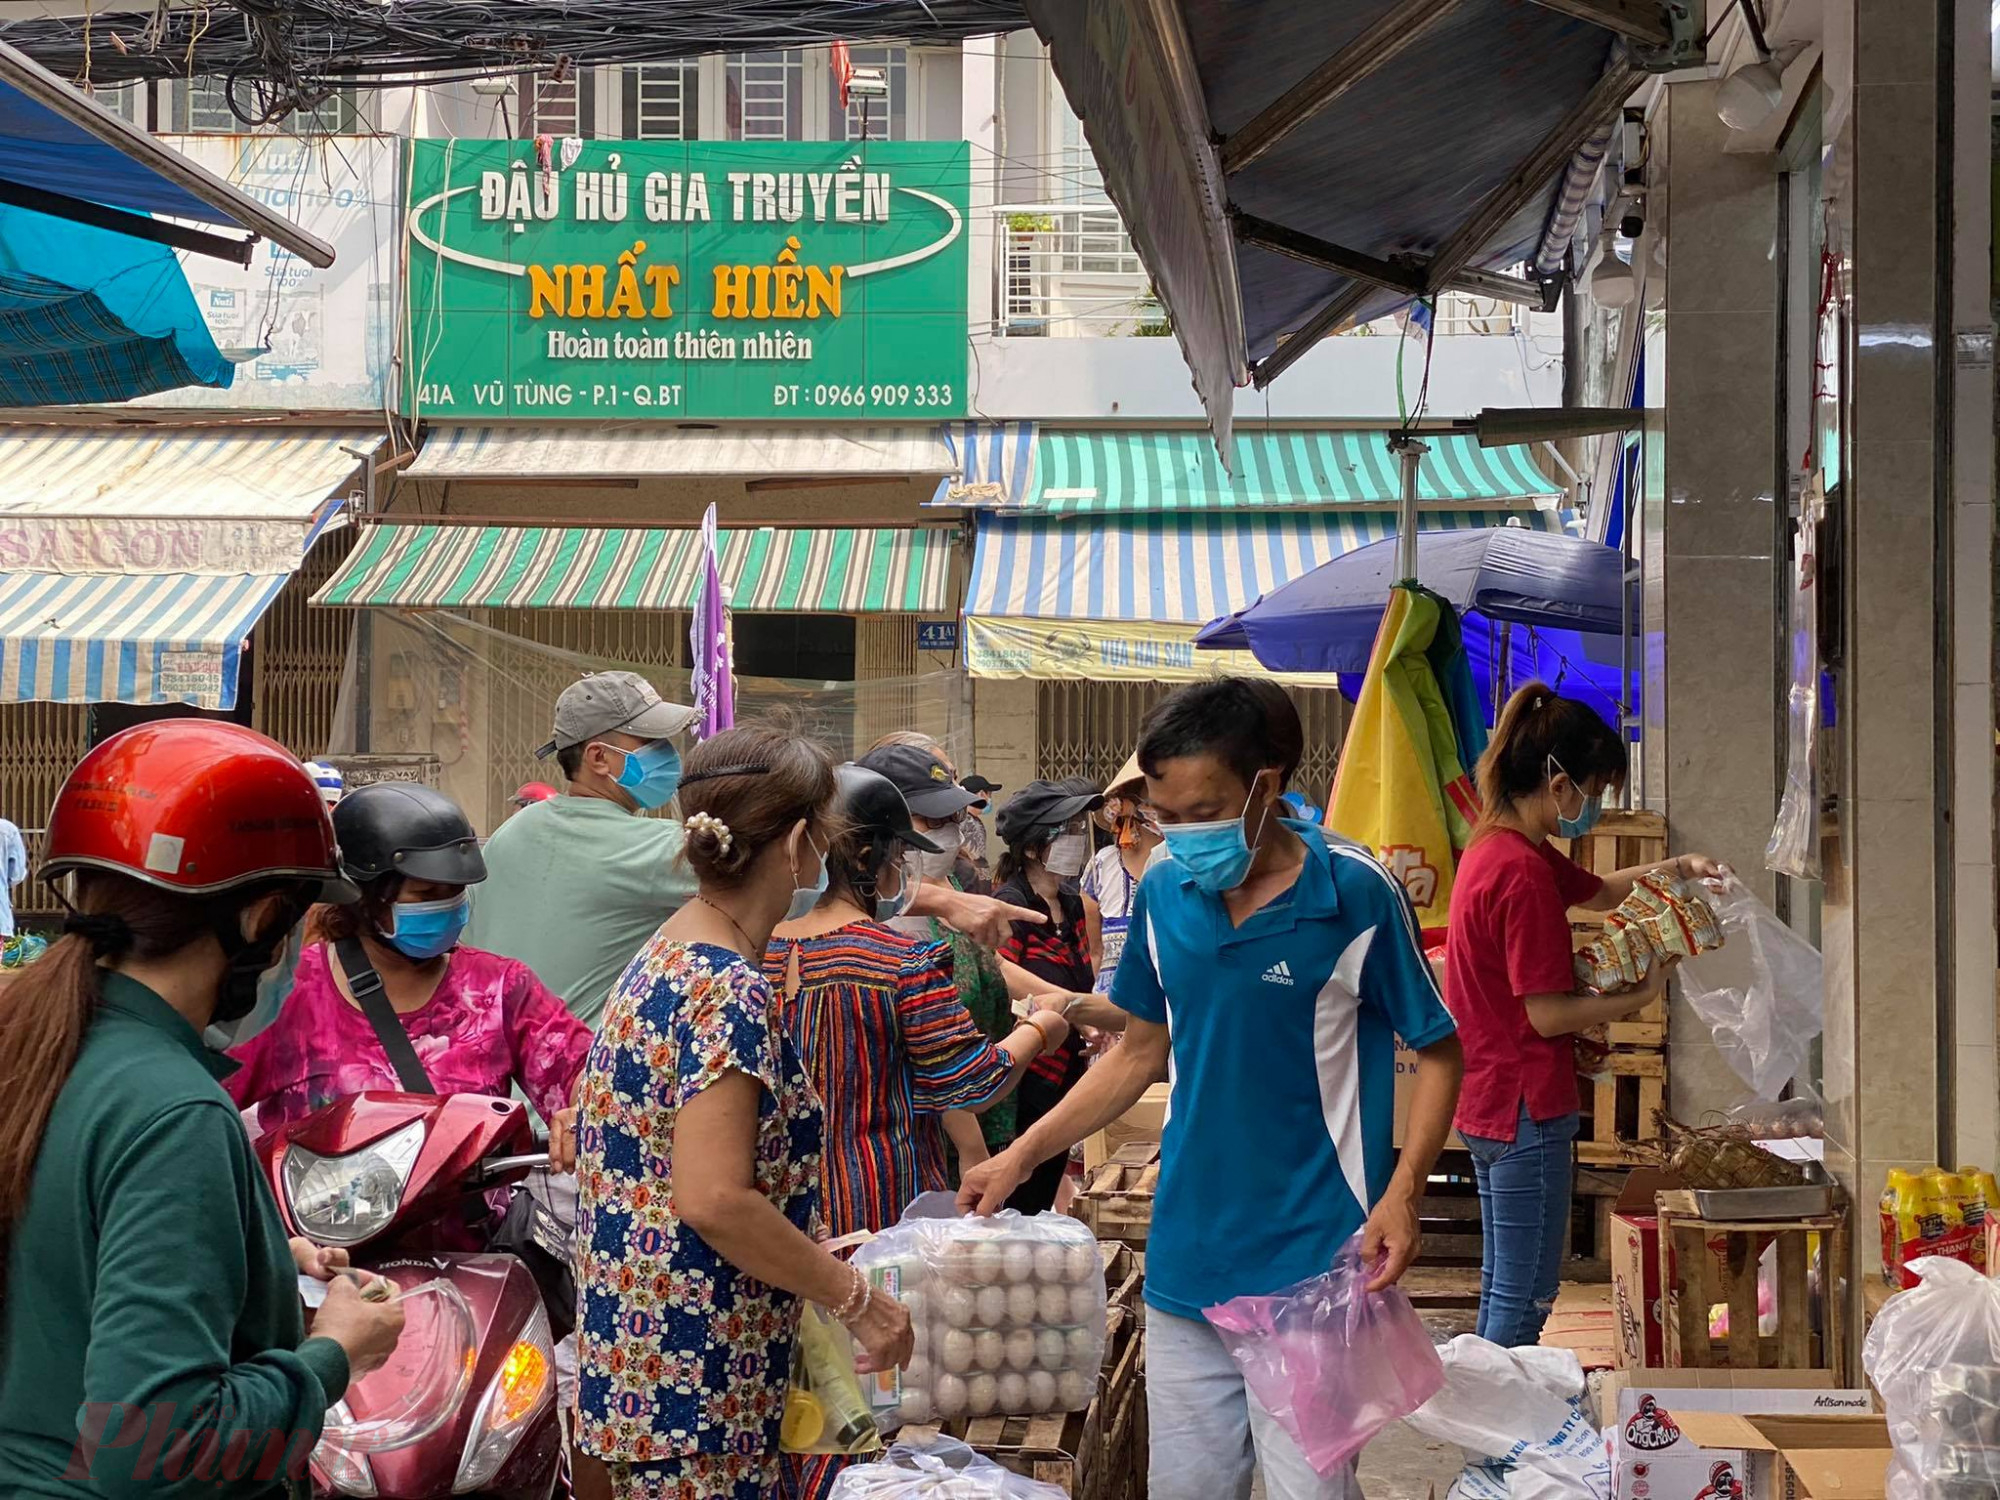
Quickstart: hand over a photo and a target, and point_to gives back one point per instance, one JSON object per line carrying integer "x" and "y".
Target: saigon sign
{"x": 687, "y": 280}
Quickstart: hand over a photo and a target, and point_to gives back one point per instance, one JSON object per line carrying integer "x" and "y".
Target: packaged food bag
{"x": 1331, "y": 1361}
{"x": 1664, "y": 917}
{"x": 1009, "y": 1313}
{"x": 1518, "y": 1415}
{"x": 941, "y": 1469}
{"x": 1934, "y": 1355}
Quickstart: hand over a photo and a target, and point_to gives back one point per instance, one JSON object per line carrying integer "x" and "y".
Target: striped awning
{"x": 211, "y": 500}
{"x": 1078, "y": 472}
{"x": 1170, "y": 569}
{"x": 145, "y": 638}
{"x": 835, "y": 571}
{"x": 639, "y": 450}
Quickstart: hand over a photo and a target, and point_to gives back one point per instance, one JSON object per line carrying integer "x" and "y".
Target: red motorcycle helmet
{"x": 196, "y": 807}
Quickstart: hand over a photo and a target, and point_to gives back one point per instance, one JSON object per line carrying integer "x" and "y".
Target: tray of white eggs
{"x": 1009, "y": 1314}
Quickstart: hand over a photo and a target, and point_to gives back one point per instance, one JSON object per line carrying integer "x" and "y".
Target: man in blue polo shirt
{"x": 1268, "y": 969}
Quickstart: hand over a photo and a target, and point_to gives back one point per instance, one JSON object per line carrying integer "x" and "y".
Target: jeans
{"x": 1524, "y": 1201}
{"x": 1209, "y": 1435}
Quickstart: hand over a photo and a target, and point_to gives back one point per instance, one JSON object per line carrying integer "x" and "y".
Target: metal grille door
{"x": 40, "y": 744}
{"x": 298, "y": 654}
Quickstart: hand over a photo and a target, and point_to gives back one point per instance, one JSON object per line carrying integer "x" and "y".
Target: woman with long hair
{"x": 700, "y": 1143}
{"x": 477, "y": 1023}
{"x": 886, "y": 1044}
{"x": 1510, "y": 984}
{"x": 151, "y": 1335}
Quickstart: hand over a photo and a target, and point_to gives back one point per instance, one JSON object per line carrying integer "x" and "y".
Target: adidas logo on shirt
{"x": 1279, "y": 973}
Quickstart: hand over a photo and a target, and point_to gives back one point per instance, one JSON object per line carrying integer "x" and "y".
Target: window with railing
{"x": 126, "y": 101}
{"x": 871, "y": 119}
{"x": 663, "y": 101}
{"x": 201, "y": 106}
{"x": 764, "y": 95}
{"x": 559, "y": 104}
{"x": 1069, "y": 270}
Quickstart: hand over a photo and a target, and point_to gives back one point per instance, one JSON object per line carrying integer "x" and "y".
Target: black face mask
{"x": 248, "y": 958}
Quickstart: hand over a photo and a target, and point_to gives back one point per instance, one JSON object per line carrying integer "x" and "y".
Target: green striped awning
{"x": 845, "y": 571}
{"x": 1125, "y": 473}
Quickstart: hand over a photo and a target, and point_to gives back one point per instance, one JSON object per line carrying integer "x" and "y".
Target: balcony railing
{"x": 1069, "y": 271}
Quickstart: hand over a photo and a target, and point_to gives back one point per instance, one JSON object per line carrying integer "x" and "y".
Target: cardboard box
{"x": 1406, "y": 1082}
{"x": 1646, "y": 1417}
{"x": 1811, "y": 1457}
{"x": 1144, "y": 1121}
{"x": 1993, "y": 1246}
{"x": 1636, "y": 1295}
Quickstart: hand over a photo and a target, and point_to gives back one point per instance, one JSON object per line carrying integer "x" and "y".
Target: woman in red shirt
{"x": 1510, "y": 985}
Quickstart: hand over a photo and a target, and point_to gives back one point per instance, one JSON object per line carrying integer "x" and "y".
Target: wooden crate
{"x": 1696, "y": 1277}
{"x": 1117, "y": 1201}
{"x": 1619, "y": 841}
{"x": 1624, "y": 1109}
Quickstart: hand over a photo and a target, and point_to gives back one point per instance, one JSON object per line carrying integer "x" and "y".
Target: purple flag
{"x": 714, "y": 689}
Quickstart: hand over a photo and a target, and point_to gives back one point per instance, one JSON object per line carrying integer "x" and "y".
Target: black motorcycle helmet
{"x": 876, "y": 819}
{"x": 397, "y": 828}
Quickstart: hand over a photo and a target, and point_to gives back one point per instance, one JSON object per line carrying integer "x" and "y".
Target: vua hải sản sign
{"x": 687, "y": 280}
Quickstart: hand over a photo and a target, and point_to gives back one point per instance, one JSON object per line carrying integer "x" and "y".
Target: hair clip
{"x": 713, "y": 826}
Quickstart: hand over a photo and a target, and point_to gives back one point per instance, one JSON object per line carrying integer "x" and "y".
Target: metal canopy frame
{"x": 1428, "y": 277}
{"x": 44, "y": 88}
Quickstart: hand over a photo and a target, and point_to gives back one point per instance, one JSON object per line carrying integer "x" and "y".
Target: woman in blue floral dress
{"x": 699, "y": 1149}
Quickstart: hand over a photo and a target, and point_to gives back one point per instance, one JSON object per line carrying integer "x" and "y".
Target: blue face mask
{"x": 651, "y": 774}
{"x": 1586, "y": 815}
{"x": 888, "y": 908}
{"x": 1216, "y": 856}
{"x": 424, "y": 929}
{"x": 806, "y": 897}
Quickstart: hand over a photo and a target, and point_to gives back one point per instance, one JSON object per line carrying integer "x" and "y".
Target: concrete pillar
{"x": 1004, "y": 732}
{"x": 1908, "y": 920}
{"x": 1715, "y": 522}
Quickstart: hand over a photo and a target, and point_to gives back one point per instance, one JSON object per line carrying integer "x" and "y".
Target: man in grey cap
{"x": 576, "y": 885}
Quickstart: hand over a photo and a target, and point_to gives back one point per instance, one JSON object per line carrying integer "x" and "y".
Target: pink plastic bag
{"x": 1331, "y": 1361}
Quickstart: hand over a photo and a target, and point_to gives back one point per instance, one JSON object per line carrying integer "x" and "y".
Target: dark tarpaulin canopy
{"x": 65, "y": 155}
{"x": 1287, "y": 168}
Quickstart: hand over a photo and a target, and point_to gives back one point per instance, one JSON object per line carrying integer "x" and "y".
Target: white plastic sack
{"x": 1759, "y": 992}
{"x": 1518, "y": 1414}
{"x": 940, "y": 1469}
{"x": 1934, "y": 1354}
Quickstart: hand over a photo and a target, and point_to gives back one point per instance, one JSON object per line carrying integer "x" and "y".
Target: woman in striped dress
{"x": 877, "y": 1023}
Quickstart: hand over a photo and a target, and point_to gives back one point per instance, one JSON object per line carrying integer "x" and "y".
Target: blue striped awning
{"x": 996, "y": 465}
{"x": 137, "y": 638}
{"x": 1171, "y": 569}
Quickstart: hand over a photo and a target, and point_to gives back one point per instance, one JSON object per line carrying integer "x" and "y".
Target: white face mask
{"x": 938, "y": 866}
{"x": 1067, "y": 854}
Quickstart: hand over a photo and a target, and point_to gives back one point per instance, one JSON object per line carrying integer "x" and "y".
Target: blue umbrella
{"x": 1325, "y": 620}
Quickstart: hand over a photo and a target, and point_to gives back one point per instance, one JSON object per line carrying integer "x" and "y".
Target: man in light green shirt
{"x": 576, "y": 885}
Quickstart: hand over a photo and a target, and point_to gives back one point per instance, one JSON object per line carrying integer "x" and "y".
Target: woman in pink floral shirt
{"x": 479, "y": 1023}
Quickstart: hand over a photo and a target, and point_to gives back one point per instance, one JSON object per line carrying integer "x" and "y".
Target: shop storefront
{"x": 1102, "y": 552}
{"x": 608, "y": 343}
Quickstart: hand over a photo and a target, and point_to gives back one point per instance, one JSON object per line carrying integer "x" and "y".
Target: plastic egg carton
{"x": 1009, "y": 1314}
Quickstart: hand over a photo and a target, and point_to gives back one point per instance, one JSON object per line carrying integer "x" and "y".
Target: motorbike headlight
{"x": 344, "y": 1473}
{"x": 342, "y": 1200}
{"x": 521, "y": 1387}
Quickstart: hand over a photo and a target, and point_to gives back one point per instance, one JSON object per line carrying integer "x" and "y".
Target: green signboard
{"x": 688, "y": 281}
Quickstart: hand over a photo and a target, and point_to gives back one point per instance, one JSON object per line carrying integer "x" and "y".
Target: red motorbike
{"x": 467, "y": 1405}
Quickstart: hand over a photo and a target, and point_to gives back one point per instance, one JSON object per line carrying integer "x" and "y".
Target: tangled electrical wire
{"x": 281, "y": 56}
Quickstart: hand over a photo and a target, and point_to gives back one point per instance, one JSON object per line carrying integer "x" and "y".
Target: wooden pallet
{"x": 1695, "y": 1278}
{"x": 1624, "y": 1109}
{"x": 1619, "y": 841}
{"x": 1117, "y": 1201}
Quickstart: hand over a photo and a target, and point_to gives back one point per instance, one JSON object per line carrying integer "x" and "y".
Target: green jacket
{"x": 151, "y": 1333}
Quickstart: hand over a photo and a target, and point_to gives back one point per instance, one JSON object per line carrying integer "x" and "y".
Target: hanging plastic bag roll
{"x": 1332, "y": 1362}
{"x": 1759, "y": 993}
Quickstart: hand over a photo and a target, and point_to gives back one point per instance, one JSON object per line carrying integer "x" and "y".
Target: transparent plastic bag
{"x": 826, "y": 1408}
{"x": 1800, "y": 1118}
{"x": 1008, "y": 1311}
{"x": 1330, "y": 1360}
{"x": 420, "y": 1387}
{"x": 941, "y": 1469}
{"x": 1759, "y": 993}
{"x": 1518, "y": 1414}
{"x": 1934, "y": 1355}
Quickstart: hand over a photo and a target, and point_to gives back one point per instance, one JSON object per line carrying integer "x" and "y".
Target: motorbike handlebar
{"x": 503, "y": 1167}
